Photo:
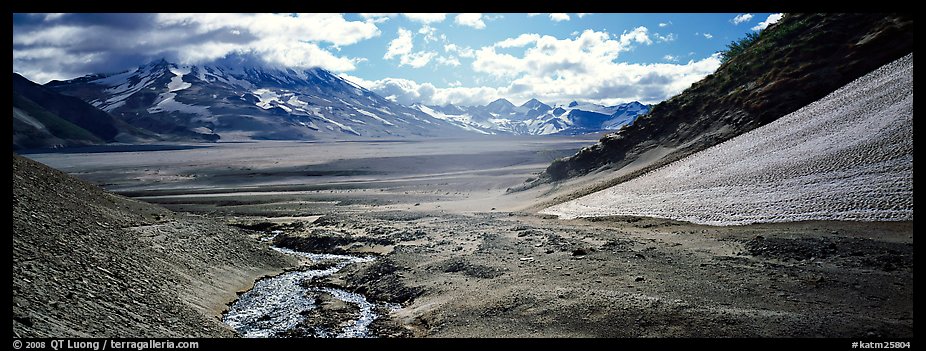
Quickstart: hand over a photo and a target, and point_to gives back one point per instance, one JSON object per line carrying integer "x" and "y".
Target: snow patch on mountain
{"x": 176, "y": 82}
{"x": 317, "y": 114}
{"x": 463, "y": 121}
{"x": 167, "y": 103}
{"x": 374, "y": 116}
{"x": 267, "y": 98}
{"x": 121, "y": 87}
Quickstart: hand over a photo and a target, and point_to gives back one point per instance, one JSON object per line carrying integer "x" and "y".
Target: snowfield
{"x": 847, "y": 156}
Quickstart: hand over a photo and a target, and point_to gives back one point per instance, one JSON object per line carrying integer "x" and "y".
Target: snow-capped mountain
{"x": 536, "y": 118}
{"x": 246, "y": 101}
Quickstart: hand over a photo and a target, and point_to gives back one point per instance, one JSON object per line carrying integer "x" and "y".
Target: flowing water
{"x": 275, "y": 304}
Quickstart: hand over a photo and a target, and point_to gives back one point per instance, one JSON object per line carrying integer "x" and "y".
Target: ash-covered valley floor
{"x": 464, "y": 258}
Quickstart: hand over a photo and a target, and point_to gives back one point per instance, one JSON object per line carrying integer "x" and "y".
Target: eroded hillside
{"x": 793, "y": 63}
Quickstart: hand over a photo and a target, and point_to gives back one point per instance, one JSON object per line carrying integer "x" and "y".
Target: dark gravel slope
{"x": 88, "y": 263}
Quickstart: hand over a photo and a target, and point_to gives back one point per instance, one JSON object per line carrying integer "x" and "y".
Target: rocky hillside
{"x": 797, "y": 61}
{"x": 87, "y": 263}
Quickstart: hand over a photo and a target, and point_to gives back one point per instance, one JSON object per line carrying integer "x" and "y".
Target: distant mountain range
{"x": 537, "y": 118}
{"x": 235, "y": 100}
{"x": 244, "y": 102}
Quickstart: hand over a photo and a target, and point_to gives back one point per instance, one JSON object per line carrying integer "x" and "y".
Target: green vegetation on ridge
{"x": 55, "y": 125}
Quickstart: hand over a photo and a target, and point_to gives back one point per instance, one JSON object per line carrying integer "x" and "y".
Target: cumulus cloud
{"x": 707, "y": 35}
{"x": 401, "y": 47}
{"x": 409, "y": 92}
{"x": 609, "y": 85}
{"x": 775, "y": 17}
{"x": 555, "y": 70}
{"x": 743, "y": 17}
{"x": 637, "y": 35}
{"x": 426, "y": 17}
{"x": 582, "y": 14}
{"x": 664, "y": 38}
{"x": 551, "y": 56}
{"x": 559, "y": 17}
{"x": 63, "y": 46}
{"x": 460, "y": 51}
{"x": 448, "y": 61}
{"x": 378, "y": 17}
{"x": 470, "y": 20}
{"x": 664, "y": 24}
{"x": 429, "y": 33}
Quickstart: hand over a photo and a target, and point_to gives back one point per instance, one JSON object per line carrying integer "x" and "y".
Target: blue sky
{"x": 411, "y": 58}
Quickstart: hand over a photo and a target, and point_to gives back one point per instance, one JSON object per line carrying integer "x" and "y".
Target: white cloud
{"x": 455, "y": 83}
{"x": 558, "y": 71}
{"x": 582, "y": 14}
{"x": 378, "y": 17}
{"x": 519, "y": 41}
{"x": 609, "y": 83}
{"x": 664, "y": 24}
{"x": 743, "y": 17}
{"x": 471, "y": 20}
{"x": 408, "y": 92}
{"x": 460, "y": 51}
{"x": 280, "y": 51}
{"x": 664, "y": 38}
{"x": 775, "y": 17}
{"x": 708, "y": 35}
{"x": 559, "y": 17}
{"x": 429, "y": 33}
{"x": 494, "y": 17}
{"x": 533, "y": 14}
{"x": 53, "y": 16}
{"x": 448, "y": 60}
{"x": 426, "y": 17}
{"x": 113, "y": 42}
{"x": 551, "y": 56}
{"x": 402, "y": 47}
{"x": 637, "y": 35}
{"x": 327, "y": 27}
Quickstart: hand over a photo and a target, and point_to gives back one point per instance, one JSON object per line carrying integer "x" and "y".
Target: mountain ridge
{"x": 45, "y": 118}
{"x": 537, "y": 118}
{"x": 243, "y": 101}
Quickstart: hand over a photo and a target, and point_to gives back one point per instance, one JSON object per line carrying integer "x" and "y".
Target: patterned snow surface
{"x": 847, "y": 156}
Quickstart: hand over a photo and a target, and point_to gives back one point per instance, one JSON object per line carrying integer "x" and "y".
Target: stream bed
{"x": 277, "y": 304}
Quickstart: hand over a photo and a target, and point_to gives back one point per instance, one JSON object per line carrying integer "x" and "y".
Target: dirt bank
{"x": 87, "y": 263}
